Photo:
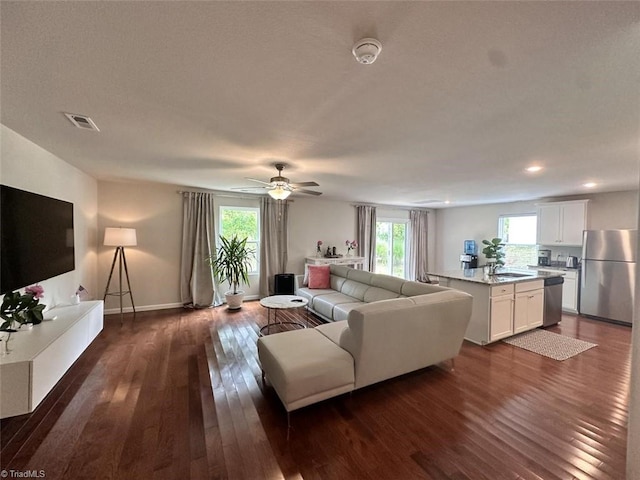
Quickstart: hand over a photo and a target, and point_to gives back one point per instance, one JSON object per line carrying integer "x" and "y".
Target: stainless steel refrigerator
{"x": 608, "y": 276}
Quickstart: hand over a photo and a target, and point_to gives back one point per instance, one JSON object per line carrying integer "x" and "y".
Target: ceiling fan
{"x": 280, "y": 187}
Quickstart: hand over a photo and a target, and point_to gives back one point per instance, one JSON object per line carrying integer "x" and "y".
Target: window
{"x": 243, "y": 222}
{"x": 518, "y": 232}
{"x": 391, "y": 248}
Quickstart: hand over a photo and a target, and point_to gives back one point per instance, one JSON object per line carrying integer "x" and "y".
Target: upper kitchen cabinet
{"x": 561, "y": 223}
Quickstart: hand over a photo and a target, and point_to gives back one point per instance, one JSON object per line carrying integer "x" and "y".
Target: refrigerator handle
{"x": 583, "y": 274}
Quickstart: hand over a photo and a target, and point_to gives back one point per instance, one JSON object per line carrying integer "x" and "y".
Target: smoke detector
{"x": 367, "y": 50}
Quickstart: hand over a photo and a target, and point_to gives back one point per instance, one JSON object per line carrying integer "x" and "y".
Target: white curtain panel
{"x": 274, "y": 217}
{"x": 197, "y": 288}
{"x": 418, "y": 231}
{"x": 366, "y": 235}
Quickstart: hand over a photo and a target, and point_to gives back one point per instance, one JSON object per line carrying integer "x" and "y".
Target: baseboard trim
{"x": 162, "y": 306}
{"x": 146, "y": 308}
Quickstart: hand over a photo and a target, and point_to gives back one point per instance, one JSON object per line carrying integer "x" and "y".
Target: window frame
{"x": 399, "y": 221}
{"x": 500, "y": 233}
{"x": 255, "y": 243}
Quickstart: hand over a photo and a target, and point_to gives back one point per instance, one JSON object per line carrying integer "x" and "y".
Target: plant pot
{"x": 234, "y": 300}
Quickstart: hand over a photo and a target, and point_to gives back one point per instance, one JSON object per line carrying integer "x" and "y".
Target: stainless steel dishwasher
{"x": 552, "y": 301}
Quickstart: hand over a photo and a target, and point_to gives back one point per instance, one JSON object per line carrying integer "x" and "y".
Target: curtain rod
{"x": 391, "y": 207}
{"x": 217, "y": 193}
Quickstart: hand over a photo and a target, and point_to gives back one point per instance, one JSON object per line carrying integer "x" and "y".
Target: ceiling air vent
{"x": 82, "y": 121}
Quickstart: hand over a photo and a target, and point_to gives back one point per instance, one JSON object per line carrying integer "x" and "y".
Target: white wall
{"x": 333, "y": 222}
{"x": 313, "y": 219}
{"x": 155, "y": 211}
{"x": 454, "y": 225}
{"x": 26, "y": 166}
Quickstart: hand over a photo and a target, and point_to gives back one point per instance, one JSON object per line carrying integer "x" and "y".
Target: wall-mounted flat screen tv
{"x": 36, "y": 238}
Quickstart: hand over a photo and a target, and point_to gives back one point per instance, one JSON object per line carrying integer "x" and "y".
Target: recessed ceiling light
{"x": 447, "y": 202}
{"x": 589, "y": 184}
{"x": 533, "y": 169}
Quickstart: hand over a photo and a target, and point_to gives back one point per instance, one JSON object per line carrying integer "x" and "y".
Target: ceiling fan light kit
{"x": 366, "y": 50}
{"x": 279, "y": 193}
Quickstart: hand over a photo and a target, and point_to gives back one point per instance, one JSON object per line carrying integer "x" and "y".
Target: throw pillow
{"x": 319, "y": 276}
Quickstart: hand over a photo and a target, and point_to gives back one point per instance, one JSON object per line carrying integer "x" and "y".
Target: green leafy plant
{"x": 232, "y": 262}
{"x": 493, "y": 249}
{"x": 18, "y": 310}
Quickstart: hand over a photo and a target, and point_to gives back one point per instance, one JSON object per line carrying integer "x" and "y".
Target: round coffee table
{"x": 282, "y": 302}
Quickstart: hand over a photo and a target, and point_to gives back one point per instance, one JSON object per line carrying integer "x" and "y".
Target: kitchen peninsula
{"x": 504, "y": 304}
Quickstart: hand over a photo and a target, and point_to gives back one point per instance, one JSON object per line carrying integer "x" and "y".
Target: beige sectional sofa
{"x": 351, "y": 288}
{"x": 378, "y": 340}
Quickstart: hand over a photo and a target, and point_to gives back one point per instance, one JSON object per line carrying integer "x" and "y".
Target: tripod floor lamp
{"x": 120, "y": 238}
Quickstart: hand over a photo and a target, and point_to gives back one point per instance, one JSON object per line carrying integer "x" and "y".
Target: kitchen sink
{"x": 512, "y": 275}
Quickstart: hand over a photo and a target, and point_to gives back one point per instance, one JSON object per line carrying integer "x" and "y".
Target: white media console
{"x": 41, "y": 355}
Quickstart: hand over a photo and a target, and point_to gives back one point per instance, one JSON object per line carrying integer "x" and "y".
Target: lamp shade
{"x": 279, "y": 193}
{"x": 120, "y": 237}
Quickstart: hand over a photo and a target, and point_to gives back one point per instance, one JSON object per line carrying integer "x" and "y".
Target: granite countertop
{"x": 554, "y": 267}
{"x": 477, "y": 275}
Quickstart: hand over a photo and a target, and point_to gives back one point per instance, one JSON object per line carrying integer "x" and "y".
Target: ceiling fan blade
{"x": 248, "y": 189}
{"x": 308, "y": 192}
{"x": 304, "y": 184}
{"x": 259, "y": 181}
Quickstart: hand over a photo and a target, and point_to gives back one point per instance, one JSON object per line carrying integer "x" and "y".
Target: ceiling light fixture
{"x": 533, "y": 169}
{"x": 279, "y": 193}
{"x": 366, "y": 50}
{"x": 589, "y": 184}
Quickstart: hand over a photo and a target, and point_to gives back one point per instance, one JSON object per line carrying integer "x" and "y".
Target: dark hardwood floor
{"x": 177, "y": 394}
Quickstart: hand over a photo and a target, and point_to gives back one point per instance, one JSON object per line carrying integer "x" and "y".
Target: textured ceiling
{"x": 463, "y": 97}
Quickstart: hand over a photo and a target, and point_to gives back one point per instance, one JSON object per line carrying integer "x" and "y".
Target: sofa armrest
{"x": 298, "y": 282}
{"x": 393, "y": 337}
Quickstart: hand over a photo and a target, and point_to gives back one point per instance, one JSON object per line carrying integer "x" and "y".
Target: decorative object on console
{"x": 18, "y": 310}
{"x": 120, "y": 237}
{"x": 493, "y": 252}
{"x": 232, "y": 264}
{"x": 351, "y": 245}
{"x": 318, "y": 248}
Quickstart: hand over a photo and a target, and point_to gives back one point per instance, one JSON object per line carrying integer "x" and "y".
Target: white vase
{"x": 234, "y": 300}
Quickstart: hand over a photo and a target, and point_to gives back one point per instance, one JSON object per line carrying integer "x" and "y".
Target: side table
{"x": 282, "y": 302}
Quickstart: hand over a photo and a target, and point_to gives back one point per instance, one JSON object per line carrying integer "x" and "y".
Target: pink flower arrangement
{"x": 318, "y": 245}
{"x": 351, "y": 245}
{"x": 35, "y": 290}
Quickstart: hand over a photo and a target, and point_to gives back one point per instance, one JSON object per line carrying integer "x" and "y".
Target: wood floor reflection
{"x": 177, "y": 394}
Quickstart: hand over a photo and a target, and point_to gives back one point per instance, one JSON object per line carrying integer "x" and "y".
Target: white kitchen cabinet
{"x": 561, "y": 223}
{"x": 528, "y": 310}
{"x": 500, "y": 310}
{"x": 501, "y": 317}
{"x": 569, "y": 287}
{"x": 570, "y": 292}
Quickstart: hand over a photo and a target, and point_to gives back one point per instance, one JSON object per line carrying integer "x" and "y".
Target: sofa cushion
{"x": 323, "y": 304}
{"x": 411, "y": 289}
{"x": 333, "y": 330}
{"x": 361, "y": 276}
{"x": 305, "y": 367}
{"x": 341, "y": 311}
{"x": 354, "y": 289}
{"x": 388, "y": 282}
{"x": 310, "y": 294}
{"x": 373, "y": 294}
{"x": 319, "y": 276}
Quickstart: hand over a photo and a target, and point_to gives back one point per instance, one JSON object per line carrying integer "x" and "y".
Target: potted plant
{"x": 18, "y": 310}
{"x": 493, "y": 252}
{"x": 232, "y": 263}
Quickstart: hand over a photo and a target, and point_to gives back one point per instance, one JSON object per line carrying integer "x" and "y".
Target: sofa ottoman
{"x": 305, "y": 367}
